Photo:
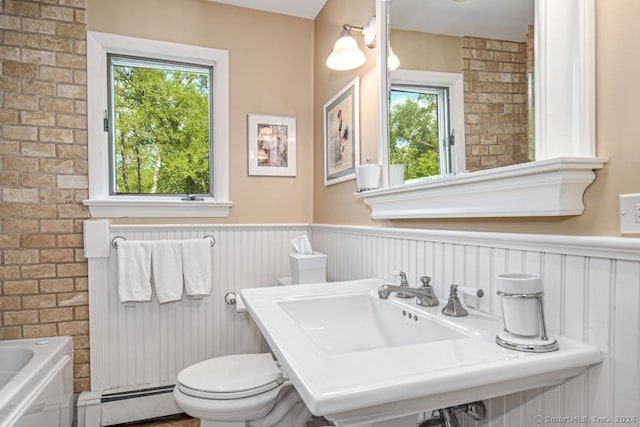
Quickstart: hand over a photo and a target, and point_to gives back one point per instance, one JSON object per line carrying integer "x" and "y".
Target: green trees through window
{"x": 414, "y": 133}
{"x": 161, "y": 138}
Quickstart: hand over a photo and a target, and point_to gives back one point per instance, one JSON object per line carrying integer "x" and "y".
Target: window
{"x": 426, "y": 123}
{"x": 158, "y": 128}
{"x": 419, "y": 134}
{"x": 159, "y": 131}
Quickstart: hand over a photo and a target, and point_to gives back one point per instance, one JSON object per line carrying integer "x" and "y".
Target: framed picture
{"x": 272, "y": 145}
{"x": 342, "y": 134}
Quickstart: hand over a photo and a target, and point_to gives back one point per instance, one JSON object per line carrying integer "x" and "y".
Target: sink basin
{"x": 359, "y": 360}
{"x": 360, "y": 322}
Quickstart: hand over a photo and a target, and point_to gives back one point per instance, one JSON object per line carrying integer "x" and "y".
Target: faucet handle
{"x": 470, "y": 291}
{"x": 403, "y": 279}
{"x": 404, "y": 283}
{"x": 426, "y": 281}
{"x": 454, "y": 307}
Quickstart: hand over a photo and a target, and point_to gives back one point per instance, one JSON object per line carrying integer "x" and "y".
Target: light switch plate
{"x": 630, "y": 213}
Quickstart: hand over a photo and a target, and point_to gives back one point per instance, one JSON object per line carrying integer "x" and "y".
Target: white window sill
{"x": 551, "y": 187}
{"x": 156, "y": 207}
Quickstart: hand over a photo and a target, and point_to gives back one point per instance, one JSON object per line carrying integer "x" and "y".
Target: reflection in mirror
{"x": 418, "y": 129}
{"x": 487, "y": 46}
{"x": 426, "y": 118}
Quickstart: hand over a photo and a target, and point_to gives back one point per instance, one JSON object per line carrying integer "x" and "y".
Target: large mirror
{"x": 462, "y": 98}
{"x": 564, "y": 122}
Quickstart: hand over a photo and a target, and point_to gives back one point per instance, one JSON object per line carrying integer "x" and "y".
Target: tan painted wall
{"x": 271, "y": 72}
{"x": 426, "y": 51}
{"x": 618, "y": 130}
{"x": 335, "y": 203}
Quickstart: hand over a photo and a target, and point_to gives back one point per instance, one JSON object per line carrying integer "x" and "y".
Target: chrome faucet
{"x": 430, "y": 300}
{"x": 422, "y": 293}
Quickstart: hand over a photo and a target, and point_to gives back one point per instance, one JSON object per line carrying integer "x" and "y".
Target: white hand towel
{"x": 196, "y": 267}
{"x": 134, "y": 271}
{"x": 166, "y": 259}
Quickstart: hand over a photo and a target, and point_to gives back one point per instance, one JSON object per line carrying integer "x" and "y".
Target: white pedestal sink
{"x": 360, "y": 360}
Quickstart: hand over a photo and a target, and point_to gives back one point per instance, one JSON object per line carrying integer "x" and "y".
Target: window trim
{"x": 100, "y": 202}
{"x": 454, "y": 83}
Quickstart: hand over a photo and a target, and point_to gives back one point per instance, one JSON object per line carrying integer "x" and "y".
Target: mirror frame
{"x": 554, "y": 184}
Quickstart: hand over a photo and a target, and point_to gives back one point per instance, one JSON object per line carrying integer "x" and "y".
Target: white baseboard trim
{"x": 117, "y": 406}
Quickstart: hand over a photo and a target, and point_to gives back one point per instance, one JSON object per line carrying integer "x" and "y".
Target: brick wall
{"x": 43, "y": 174}
{"x": 495, "y": 86}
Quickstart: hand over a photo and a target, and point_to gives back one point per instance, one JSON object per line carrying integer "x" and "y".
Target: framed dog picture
{"x": 342, "y": 134}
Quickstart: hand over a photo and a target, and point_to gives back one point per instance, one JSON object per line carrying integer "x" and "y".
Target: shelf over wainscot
{"x": 552, "y": 187}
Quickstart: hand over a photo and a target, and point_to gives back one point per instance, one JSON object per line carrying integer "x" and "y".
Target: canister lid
{"x": 519, "y": 283}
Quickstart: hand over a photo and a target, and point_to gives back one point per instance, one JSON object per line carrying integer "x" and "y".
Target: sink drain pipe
{"x": 447, "y": 417}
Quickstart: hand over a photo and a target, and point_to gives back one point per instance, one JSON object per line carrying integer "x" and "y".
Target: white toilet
{"x": 247, "y": 389}
{"x": 239, "y": 390}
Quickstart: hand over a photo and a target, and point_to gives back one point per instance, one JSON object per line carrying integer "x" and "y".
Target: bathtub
{"x": 36, "y": 382}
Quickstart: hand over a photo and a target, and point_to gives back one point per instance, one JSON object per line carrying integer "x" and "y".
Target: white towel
{"x": 134, "y": 271}
{"x": 196, "y": 267}
{"x": 166, "y": 259}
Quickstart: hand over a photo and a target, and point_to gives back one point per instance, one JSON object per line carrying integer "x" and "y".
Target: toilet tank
{"x": 308, "y": 268}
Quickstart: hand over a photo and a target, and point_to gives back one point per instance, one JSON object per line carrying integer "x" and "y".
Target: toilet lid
{"x": 237, "y": 374}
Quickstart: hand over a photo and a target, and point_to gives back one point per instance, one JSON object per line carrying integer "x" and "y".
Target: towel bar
{"x": 114, "y": 241}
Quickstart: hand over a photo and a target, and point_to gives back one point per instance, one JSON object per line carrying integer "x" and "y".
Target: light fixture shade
{"x": 393, "y": 61}
{"x": 345, "y": 55}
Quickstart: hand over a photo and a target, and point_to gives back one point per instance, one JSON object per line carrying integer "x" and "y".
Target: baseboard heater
{"x": 118, "y": 406}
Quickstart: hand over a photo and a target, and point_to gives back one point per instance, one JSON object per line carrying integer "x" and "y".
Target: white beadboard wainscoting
{"x": 146, "y": 345}
{"x": 592, "y": 294}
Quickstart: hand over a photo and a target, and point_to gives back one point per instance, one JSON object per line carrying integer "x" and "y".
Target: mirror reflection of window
{"x": 419, "y": 130}
{"x": 491, "y": 45}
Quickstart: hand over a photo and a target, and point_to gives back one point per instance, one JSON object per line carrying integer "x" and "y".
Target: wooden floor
{"x": 173, "y": 421}
{"x": 187, "y": 421}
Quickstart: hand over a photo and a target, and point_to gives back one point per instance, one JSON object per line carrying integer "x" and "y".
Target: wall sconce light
{"x": 345, "y": 54}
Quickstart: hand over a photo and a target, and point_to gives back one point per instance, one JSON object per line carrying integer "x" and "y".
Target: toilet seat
{"x": 230, "y": 388}
{"x": 248, "y": 408}
{"x": 231, "y": 377}
{"x": 228, "y": 396}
